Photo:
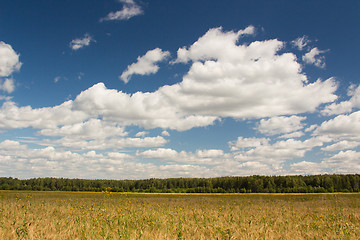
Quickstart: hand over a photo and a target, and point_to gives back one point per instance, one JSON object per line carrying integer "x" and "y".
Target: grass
{"x": 79, "y": 215}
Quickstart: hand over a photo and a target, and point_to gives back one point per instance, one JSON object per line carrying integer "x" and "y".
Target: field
{"x": 79, "y": 215}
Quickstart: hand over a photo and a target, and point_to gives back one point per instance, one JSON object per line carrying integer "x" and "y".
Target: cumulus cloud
{"x": 165, "y": 133}
{"x": 91, "y": 129}
{"x": 26, "y": 162}
{"x": 300, "y": 42}
{"x": 279, "y": 151}
{"x": 212, "y": 153}
{"x": 345, "y": 106}
{"x": 160, "y": 153}
{"x": 215, "y": 44}
{"x": 342, "y": 145}
{"x": 344, "y": 162}
{"x": 306, "y": 168}
{"x": 242, "y": 143}
{"x": 11, "y": 145}
{"x": 200, "y": 157}
{"x": 246, "y": 81}
{"x": 129, "y": 10}
{"x": 149, "y": 110}
{"x": 141, "y": 134}
{"x": 74, "y": 142}
{"x": 311, "y": 128}
{"x": 8, "y": 85}
{"x": 314, "y": 57}
{"x": 266, "y": 158}
{"x": 81, "y": 42}
{"x": 342, "y": 127}
{"x": 145, "y": 65}
{"x": 9, "y": 60}
{"x": 225, "y": 80}
{"x": 12, "y": 116}
{"x": 279, "y": 125}
{"x": 292, "y": 135}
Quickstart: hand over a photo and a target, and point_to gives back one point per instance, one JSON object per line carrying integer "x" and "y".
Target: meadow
{"x": 85, "y": 215}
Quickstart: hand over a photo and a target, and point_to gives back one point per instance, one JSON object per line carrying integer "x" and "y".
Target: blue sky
{"x": 128, "y": 89}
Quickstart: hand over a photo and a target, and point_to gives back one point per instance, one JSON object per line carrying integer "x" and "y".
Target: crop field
{"x": 79, "y": 215}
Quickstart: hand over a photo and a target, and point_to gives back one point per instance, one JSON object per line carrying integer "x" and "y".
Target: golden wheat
{"x": 66, "y": 215}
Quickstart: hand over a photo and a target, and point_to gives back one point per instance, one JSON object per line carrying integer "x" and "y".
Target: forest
{"x": 249, "y": 184}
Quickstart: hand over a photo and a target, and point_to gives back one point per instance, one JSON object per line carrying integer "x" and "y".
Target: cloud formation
{"x": 314, "y": 57}
{"x": 145, "y": 65}
{"x": 345, "y": 106}
{"x": 215, "y": 44}
{"x": 78, "y": 43}
{"x": 9, "y": 60}
{"x": 129, "y": 10}
{"x": 225, "y": 80}
{"x": 277, "y": 152}
{"x": 8, "y": 85}
{"x": 342, "y": 127}
{"x": 279, "y": 125}
{"x": 300, "y": 42}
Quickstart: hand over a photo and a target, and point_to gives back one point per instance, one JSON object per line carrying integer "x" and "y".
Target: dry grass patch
{"x": 65, "y": 215}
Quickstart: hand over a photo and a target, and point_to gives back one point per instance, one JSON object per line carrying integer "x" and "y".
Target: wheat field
{"x": 79, "y": 215}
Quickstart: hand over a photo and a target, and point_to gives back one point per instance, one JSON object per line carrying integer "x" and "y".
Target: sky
{"x": 137, "y": 89}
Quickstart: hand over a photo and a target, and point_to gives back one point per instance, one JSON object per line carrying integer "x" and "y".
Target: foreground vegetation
{"x": 81, "y": 215}
{"x": 251, "y": 184}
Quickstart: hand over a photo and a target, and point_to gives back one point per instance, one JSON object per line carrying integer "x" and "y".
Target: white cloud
{"x": 119, "y": 155}
{"x": 145, "y": 65}
{"x": 313, "y": 57}
{"x": 343, "y": 127}
{"x": 279, "y": 125}
{"x": 92, "y": 154}
{"x": 306, "y": 168}
{"x": 149, "y": 110}
{"x": 225, "y": 80}
{"x": 292, "y": 135}
{"x": 91, "y": 129}
{"x": 12, "y": 116}
{"x": 245, "y": 81}
{"x": 235, "y": 168}
{"x": 6, "y": 98}
{"x": 267, "y": 159}
{"x": 10, "y": 145}
{"x": 81, "y": 42}
{"x": 301, "y": 42}
{"x": 345, "y": 106}
{"x": 278, "y": 152}
{"x": 200, "y": 157}
{"x": 242, "y": 143}
{"x": 343, "y": 162}
{"x": 160, "y": 153}
{"x": 129, "y": 10}
{"x": 311, "y": 128}
{"x": 210, "y": 153}
{"x": 342, "y": 145}
{"x": 110, "y": 143}
{"x": 215, "y": 44}
{"x": 141, "y": 134}
{"x": 165, "y": 133}
{"x": 7, "y": 85}
{"x": 9, "y": 60}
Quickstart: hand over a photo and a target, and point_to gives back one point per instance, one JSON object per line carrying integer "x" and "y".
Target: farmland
{"x": 85, "y": 215}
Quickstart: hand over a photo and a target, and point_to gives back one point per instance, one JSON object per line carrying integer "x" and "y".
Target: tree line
{"x": 250, "y": 184}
